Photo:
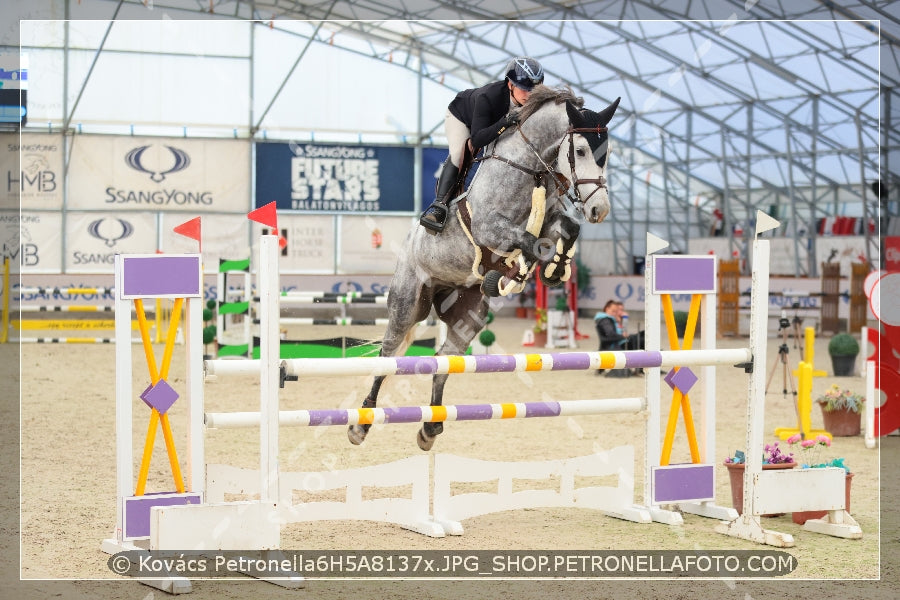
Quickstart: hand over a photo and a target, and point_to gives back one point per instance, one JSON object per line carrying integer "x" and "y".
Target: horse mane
{"x": 542, "y": 94}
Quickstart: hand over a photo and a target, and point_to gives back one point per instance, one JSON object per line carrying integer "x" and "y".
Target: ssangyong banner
{"x": 31, "y": 168}
{"x": 93, "y": 239}
{"x": 34, "y": 239}
{"x": 178, "y": 174}
{"x": 334, "y": 177}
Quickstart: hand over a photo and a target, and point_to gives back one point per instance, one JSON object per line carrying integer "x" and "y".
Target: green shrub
{"x": 843, "y": 344}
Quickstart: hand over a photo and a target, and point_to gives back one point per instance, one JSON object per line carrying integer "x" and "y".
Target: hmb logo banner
{"x": 170, "y": 174}
{"x": 31, "y": 171}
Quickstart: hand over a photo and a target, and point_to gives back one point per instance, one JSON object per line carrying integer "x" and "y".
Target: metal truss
{"x": 741, "y": 105}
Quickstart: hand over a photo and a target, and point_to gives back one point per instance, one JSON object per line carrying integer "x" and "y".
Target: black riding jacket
{"x": 483, "y": 110}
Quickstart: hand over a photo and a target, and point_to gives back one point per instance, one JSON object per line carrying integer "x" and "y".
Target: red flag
{"x": 189, "y": 229}
{"x": 265, "y": 215}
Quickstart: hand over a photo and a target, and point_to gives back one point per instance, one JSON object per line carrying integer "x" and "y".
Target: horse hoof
{"x": 490, "y": 287}
{"x": 549, "y": 281}
{"x": 424, "y": 444}
{"x": 356, "y": 434}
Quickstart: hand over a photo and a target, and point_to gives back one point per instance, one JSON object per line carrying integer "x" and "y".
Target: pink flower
{"x": 824, "y": 440}
{"x": 807, "y": 443}
{"x": 794, "y": 439}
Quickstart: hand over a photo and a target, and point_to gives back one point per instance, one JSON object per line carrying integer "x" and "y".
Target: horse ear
{"x": 575, "y": 116}
{"x": 606, "y": 115}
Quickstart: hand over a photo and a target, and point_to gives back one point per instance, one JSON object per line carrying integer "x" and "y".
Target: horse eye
{"x": 580, "y": 152}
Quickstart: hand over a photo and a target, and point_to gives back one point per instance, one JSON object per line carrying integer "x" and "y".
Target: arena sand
{"x": 68, "y": 476}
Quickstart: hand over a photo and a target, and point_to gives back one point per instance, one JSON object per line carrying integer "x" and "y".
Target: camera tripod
{"x": 796, "y": 326}
{"x": 787, "y": 379}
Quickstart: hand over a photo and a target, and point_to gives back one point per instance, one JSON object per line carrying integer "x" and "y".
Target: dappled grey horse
{"x": 524, "y": 206}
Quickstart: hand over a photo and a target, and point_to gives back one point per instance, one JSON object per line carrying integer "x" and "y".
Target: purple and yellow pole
{"x": 680, "y": 399}
{"x": 155, "y": 377}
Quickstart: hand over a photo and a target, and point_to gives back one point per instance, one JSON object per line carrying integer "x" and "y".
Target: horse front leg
{"x": 561, "y": 233}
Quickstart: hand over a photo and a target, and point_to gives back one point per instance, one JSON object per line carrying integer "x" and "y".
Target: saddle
{"x": 512, "y": 265}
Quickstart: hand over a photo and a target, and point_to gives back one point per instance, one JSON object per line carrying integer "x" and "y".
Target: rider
{"x": 479, "y": 115}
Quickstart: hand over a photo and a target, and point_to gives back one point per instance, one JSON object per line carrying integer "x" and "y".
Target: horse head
{"x": 586, "y": 155}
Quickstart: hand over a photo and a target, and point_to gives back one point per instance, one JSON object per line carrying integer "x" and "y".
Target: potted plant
{"x": 810, "y": 458}
{"x": 773, "y": 458}
{"x": 843, "y": 349}
{"x": 841, "y": 411}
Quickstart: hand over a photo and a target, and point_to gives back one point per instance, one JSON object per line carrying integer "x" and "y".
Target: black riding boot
{"x": 435, "y": 216}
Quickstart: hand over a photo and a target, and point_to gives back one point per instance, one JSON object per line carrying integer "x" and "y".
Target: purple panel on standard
{"x": 684, "y": 379}
{"x": 160, "y": 396}
{"x": 685, "y": 274}
{"x": 160, "y": 277}
{"x": 571, "y": 361}
{"x": 641, "y": 359}
{"x": 328, "y": 417}
{"x": 542, "y": 409}
{"x": 403, "y": 414}
{"x": 494, "y": 363}
{"x": 679, "y": 483}
{"x": 416, "y": 365}
{"x": 137, "y": 510}
{"x": 668, "y": 378}
{"x": 474, "y": 412}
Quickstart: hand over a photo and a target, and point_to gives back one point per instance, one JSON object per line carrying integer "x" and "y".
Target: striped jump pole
{"x": 430, "y": 414}
{"x": 379, "y": 300}
{"x": 489, "y": 363}
{"x": 318, "y": 294}
{"x": 52, "y": 308}
{"x": 61, "y": 291}
{"x": 64, "y": 340}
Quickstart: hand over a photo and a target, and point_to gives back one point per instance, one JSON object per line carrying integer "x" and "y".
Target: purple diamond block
{"x": 160, "y": 396}
{"x": 683, "y": 379}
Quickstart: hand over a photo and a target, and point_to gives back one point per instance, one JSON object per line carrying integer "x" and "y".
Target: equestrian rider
{"x": 479, "y": 116}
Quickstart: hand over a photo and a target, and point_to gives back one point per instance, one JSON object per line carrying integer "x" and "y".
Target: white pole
{"x": 759, "y": 300}
{"x": 193, "y": 339}
{"x": 124, "y": 398}
{"x": 269, "y": 362}
{"x": 871, "y": 398}
{"x": 652, "y": 341}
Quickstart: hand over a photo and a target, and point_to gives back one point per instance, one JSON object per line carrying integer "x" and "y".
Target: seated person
{"x": 609, "y": 327}
{"x": 634, "y": 341}
{"x": 611, "y": 332}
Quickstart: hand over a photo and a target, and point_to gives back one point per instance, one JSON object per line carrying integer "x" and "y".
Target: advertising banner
{"x": 31, "y": 171}
{"x": 372, "y": 244}
{"x": 34, "y": 239}
{"x": 310, "y": 243}
{"x": 93, "y": 239}
{"x": 170, "y": 174}
{"x": 892, "y": 253}
{"x": 334, "y": 178}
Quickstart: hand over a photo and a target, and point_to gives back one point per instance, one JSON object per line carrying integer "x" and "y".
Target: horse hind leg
{"x": 465, "y": 314}
{"x": 399, "y": 336}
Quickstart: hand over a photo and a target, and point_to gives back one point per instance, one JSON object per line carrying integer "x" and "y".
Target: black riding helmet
{"x": 525, "y": 73}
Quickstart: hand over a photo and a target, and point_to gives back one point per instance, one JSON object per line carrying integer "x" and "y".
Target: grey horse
{"x": 533, "y": 187}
